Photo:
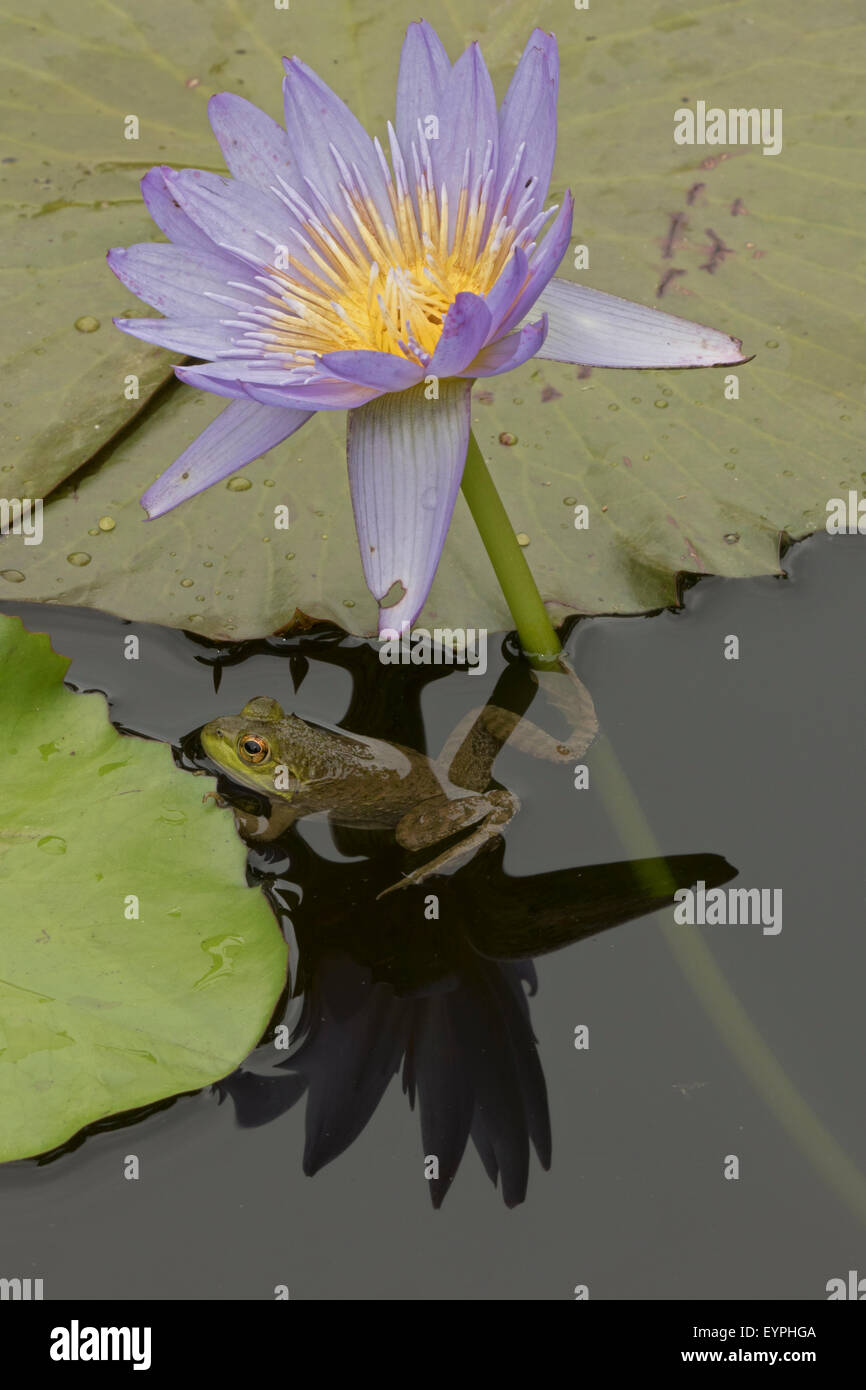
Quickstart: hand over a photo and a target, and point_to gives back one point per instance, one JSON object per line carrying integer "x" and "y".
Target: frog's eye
{"x": 253, "y": 749}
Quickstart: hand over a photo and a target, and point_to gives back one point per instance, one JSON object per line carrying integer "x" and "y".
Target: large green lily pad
{"x": 677, "y": 478}
{"x": 100, "y": 1011}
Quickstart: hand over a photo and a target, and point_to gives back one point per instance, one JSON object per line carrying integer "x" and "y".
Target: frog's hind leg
{"x": 474, "y": 746}
{"x": 438, "y": 817}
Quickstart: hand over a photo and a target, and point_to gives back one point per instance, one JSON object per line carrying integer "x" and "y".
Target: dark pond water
{"x": 705, "y": 1041}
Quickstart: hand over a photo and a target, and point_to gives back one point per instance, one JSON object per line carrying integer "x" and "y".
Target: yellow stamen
{"x": 365, "y": 284}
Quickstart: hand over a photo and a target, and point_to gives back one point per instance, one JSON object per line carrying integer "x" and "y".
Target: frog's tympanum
{"x": 304, "y": 768}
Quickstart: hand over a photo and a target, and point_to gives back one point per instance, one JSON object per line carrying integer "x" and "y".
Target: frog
{"x": 304, "y": 768}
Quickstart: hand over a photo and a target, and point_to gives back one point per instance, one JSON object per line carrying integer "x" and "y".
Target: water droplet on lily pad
{"x": 208, "y": 564}
{"x": 12, "y": 576}
{"x": 613, "y": 406}
{"x": 522, "y": 538}
{"x": 570, "y": 501}
{"x": 79, "y": 557}
{"x": 269, "y": 482}
{"x": 348, "y": 603}
{"x": 507, "y": 439}
{"x": 238, "y": 484}
{"x": 186, "y": 583}
{"x": 106, "y": 523}
{"x": 660, "y": 405}
{"x": 51, "y": 844}
{"x": 194, "y": 618}
{"x": 87, "y": 324}
{"x": 94, "y": 531}
{"x": 290, "y": 554}
{"x": 732, "y": 537}
{"x": 771, "y": 343}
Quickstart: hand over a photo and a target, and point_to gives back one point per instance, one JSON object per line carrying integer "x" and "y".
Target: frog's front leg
{"x": 440, "y": 816}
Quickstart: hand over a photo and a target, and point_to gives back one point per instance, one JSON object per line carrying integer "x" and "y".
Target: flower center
{"x": 366, "y": 280}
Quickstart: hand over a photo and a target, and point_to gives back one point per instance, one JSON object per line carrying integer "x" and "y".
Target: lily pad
{"x": 103, "y": 1010}
{"x": 676, "y": 476}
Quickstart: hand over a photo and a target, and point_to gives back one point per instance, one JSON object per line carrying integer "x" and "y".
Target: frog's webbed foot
{"x": 439, "y": 817}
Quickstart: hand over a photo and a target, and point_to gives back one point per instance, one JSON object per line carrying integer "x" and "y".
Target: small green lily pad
{"x": 136, "y": 963}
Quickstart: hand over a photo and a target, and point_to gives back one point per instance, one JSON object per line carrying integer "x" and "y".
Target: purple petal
{"x": 319, "y": 395}
{"x": 235, "y": 215}
{"x": 601, "y": 330}
{"x": 529, "y": 114}
{"x": 199, "y": 378}
{"x": 177, "y": 281}
{"x": 406, "y": 458}
{"x": 244, "y": 369}
{"x": 424, "y": 70}
{"x": 384, "y": 370}
{"x": 255, "y": 148}
{"x": 543, "y": 264}
{"x": 464, "y": 333}
{"x": 165, "y": 212}
{"x": 316, "y": 118}
{"x": 242, "y": 432}
{"x": 509, "y": 352}
{"x": 501, "y": 299}
{"x": 192, "y": 337}
{"x": 301, "y": 388}
{"x": 467, "y": 121}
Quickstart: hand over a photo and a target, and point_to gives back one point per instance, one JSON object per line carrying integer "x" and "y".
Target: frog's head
{"x": 249, "y": 746}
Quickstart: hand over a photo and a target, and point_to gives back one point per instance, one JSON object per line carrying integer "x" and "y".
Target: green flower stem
{"x": 536, "y": 632}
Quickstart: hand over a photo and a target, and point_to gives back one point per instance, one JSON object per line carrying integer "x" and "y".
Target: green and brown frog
{"x": 366, "y": 783}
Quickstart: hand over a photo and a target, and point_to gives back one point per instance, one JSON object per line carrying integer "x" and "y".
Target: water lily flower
{"x": 325, "y": 274}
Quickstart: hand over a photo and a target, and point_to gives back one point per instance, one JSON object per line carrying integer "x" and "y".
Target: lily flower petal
{"x": 406, "y": 458}
{"x": 315, "y": 391}
{"x": 464, "y": 333}
{"x": 320, "y": 395}
{"x": 178, "y": 281}
{"x": 468, "y": 126}
{"x": 542, "y": 264}
{"x": 168, "y": 216}
{"x": 255, "y": 148}
{"x": 191, "y": 376}
{"x": 528, "y": 117}
{"x": 318, "y": 123}
{"x": 502, "y": 298}
{"x": 238, "y": 218}
{"x": 383, "y": 370}
{"x": 507, "y": 353}
{"x": 424, "y": 70}
{"x": 601, "y": 330}
{"x": 241, "y": 433}
{"x": 192, "y": 337}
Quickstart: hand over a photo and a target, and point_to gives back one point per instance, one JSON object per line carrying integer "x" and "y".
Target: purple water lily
{"x": 323, "y": 276}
